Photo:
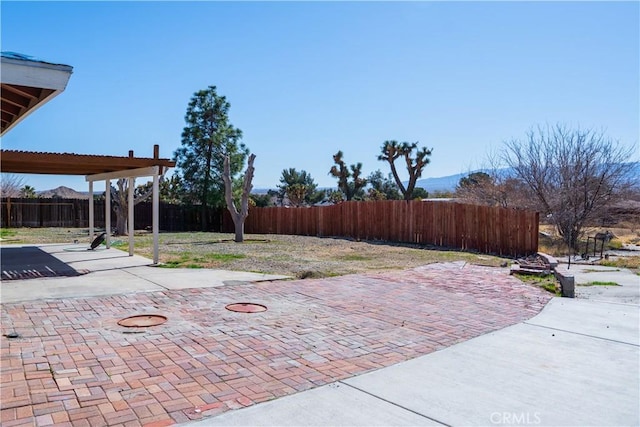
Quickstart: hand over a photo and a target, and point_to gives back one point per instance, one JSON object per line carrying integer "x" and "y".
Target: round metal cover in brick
{"x": 142, "y": 321}
{"x": 246, "y": 307}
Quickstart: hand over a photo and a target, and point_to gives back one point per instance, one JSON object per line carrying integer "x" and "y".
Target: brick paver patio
{"x": 73, "y": 365}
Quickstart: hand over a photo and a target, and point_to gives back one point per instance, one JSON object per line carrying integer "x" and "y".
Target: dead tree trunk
{"x": 238, "y": 216}
{"x": 121, "y": 202}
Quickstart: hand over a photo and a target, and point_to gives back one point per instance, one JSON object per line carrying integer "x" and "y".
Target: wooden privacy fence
{"x": 34, "y": 212}
{"x": 22, "y": 212}
{"x": 486, "y": 229}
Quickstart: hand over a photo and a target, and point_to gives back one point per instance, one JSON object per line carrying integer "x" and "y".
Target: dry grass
{"x": 298, "y": 256}
{"x": 627, "y": 233}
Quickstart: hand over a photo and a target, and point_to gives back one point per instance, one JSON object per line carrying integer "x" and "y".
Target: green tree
{"x": 261, "y": 200}
{"x": 207, "y": 139}
{"x": 474, "y": 179}
{"x": 335, "y": 196}
{"x": 28, "y": 192}
{"x": 300, "y": 186}
{"x": 171, "y": 189}
{"x": 349, "y": 181}
{"x": 382, "y": 188}
{"x": 392, "y": 150}
{"x": 420, "y": 193}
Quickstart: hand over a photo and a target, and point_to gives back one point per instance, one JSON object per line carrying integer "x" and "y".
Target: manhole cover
{"x": 246, "y": 307}
{"x": 142, "y": 321}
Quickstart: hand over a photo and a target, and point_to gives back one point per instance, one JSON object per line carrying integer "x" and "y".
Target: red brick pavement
{"x": 74, "y": 366}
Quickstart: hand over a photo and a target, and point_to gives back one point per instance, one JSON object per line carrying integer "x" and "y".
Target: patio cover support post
{"x": 107, "y": 211}
{"x": 91, "y": 218}
{"x": 153, "y": 171}
{"x": 156, "y": 212}
{"x": 130, "y": 219}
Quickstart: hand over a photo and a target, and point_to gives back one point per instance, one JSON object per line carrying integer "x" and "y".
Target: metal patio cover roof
{"x": 13, "y": 161}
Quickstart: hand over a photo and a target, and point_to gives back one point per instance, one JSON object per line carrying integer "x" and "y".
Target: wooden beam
{"x": 14, "y": 98}
{"x": 129, "y": 173}
{"x": 24, "y": 91}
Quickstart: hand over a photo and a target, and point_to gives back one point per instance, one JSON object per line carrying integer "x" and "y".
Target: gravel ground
{"x": 299, "y": 256}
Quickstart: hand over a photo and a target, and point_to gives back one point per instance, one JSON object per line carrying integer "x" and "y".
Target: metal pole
{"x": 107, "y": 211}
{"x": 130, "y": 219}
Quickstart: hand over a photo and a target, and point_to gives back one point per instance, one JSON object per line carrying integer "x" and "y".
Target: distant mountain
{"x": 63, "y": 193}
{"x": 443, "y": 183}
{"x": 449, "y": 183}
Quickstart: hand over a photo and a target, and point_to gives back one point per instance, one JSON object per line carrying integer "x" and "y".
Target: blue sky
{"x": 308, "y": 79}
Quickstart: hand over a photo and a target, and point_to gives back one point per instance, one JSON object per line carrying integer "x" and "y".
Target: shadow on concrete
{"x": 30, "y": 262}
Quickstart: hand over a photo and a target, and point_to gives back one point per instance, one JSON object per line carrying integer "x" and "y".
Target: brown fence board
{"x": 469, "y": 227}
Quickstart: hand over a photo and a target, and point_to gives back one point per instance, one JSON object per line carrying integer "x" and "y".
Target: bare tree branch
{"x": 573, "y": 174}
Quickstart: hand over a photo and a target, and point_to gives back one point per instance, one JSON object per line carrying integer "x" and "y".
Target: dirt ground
{"x": 298, "y": 256}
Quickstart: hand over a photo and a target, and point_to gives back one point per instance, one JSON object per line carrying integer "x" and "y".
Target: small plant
{"x": 630, "y": 262}
{"x": 615, "y": 244}
{"x": 548, "y": 283}
{"x": 224, "y": 257}
{"x": 5, "y": 232}
{"x": 353, "y": 257}
{"x": 308, "y": 274}
{"x": 192, "y": 260}
{"x": 596, "y": 283}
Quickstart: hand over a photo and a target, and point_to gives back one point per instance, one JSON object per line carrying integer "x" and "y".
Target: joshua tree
{"x": 350, "y": 188}
{"x": 392, "y": 150}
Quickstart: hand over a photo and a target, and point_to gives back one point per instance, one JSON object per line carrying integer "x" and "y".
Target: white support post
{"x": 91, "y": 218}
{"x": 107, "y": 211}
{"x": 130, "y": 219}
{"x": 156, "y": 212}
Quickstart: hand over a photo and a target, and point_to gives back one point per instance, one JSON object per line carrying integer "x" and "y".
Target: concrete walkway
{"x": 575, "y": 364}
{"x": 107, "y": 272}
{"x": 627, "y": 290}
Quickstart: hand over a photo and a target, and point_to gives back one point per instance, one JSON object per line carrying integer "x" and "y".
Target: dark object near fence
{"x": 98, "y": 241}
{"x": 603, "y": 238}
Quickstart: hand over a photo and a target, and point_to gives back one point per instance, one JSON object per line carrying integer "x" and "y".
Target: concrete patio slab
{"x": 611, "y": 321}
{"x": 627, "y": 291}
{"x": 99, "y": 283}
{"x": 107, "y": 272}
{"x": 198, "y": 278}
{"x": 332, "y": 405}
{"x": 523, "y": 372}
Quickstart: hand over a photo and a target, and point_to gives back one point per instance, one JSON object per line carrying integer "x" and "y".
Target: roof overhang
{"x": 28, "y": 84}
{"x": 12, "y": 161}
